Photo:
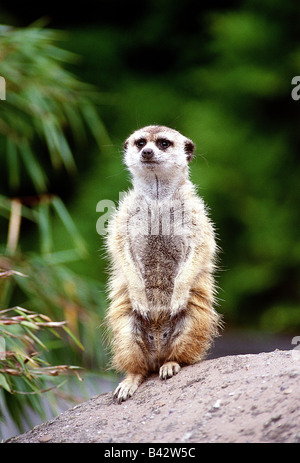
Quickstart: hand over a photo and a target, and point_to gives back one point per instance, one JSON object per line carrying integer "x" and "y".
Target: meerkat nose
{"x": 147, "y": 154}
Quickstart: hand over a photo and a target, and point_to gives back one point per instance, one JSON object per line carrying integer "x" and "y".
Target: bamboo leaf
{"x": 34, "y": 170}
{"x": 69, "y": 224}
{"x": 5, "y": 205}
{"x": 61, "y": 257}
{"x": 65, "y": 152}
{"x": 32, "y": 385}
{"x": 75, "y": 122}
{"x": 35, "y": 338}
{"x": 95, "y": 124}
{"x": 69, "y": 332}
{"x": 29, "y": 325}
{"x": 4, "y": 383}
{"x": 49, "y": 131}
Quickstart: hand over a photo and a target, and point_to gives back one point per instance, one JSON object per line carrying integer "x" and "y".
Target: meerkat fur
{"x": 162, "y": 250}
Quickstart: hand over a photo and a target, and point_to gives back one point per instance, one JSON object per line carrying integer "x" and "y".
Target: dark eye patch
{"x": 140, "y": 142}
{"x": 163, "y": 143}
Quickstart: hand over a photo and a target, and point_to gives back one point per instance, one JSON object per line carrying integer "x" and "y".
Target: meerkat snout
{"x": 147, "y": 154}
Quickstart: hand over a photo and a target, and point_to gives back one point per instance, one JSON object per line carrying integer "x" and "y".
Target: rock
{"x": 45, "y": 438}
{"x": 242, "y": 398}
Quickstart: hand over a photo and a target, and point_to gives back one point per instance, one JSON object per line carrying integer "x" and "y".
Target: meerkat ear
{"x": 189, "y": 148}
{"x": 125, "y": 146}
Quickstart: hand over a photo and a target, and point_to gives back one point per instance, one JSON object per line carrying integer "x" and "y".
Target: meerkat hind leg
{"x": 168, "y": 369}
{"x": 128, "y": 386}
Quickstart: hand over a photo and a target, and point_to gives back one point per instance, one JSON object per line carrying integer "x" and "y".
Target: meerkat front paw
{"x": 168, "y": 369}
{"x": 127, "y": 387}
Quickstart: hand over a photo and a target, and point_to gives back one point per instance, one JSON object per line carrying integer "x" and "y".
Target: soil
{"x": 237, "y": 398}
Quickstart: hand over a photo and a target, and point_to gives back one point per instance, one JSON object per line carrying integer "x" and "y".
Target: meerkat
{"x": 162, "y": 248}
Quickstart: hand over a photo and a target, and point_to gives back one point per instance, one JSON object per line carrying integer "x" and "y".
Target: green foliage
{"x": 19, "y": 334}
{"x": 48, "y": 112}
{"x": 24, "y": 373}
{"x": 43, "y": 100}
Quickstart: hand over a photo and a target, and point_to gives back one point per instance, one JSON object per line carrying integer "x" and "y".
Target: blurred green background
{"x": 220, "y": 72}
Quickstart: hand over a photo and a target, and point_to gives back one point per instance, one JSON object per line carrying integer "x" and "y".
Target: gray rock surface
{"x": 239, "y": 398}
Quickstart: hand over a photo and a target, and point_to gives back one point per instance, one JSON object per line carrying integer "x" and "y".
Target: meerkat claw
{"x": 127, "y": 387}
{"x": 169, "y": 369}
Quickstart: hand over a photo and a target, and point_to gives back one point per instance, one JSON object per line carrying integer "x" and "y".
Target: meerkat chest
{"x": 159, "y": 241}
{"x": 158, "y": 258}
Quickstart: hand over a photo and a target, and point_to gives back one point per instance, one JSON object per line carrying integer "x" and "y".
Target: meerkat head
{"x": 158, "y": 150}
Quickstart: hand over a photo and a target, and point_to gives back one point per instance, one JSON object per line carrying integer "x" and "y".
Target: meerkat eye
{"x": 141, "y": 142}
{"x": 164, "y": 143}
